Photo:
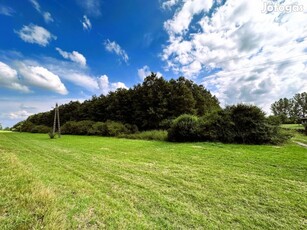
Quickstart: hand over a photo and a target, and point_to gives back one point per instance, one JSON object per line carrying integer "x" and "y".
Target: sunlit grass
{"x": 95, "y": 182}
{"x": 292, "y": 126}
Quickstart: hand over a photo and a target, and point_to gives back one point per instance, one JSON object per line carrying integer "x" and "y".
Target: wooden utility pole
{"x": 56, "y": 118}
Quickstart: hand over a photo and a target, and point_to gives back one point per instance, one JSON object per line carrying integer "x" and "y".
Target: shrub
{"x": 40, "y": 129}
{"x": 158, "y": 135}
{"x": 69, "y": 127}
{"x": 83, "y": 127}
{"x": 217, "y": 126}
{"x": 77, "y": 128}
{"x": 184, "y": 128}
{"x": 98, "y": 129}
{"x": 274, "y": 120}
{"x": 51, "y": 135}
{"x": 243, "y": 124}
{"x": 114, "y": 128}
{"x": 26, "y": 126}
{"x": 249, "y": 122}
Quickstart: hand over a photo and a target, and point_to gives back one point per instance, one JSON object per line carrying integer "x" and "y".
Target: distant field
{"x": 81, "y": 182}
{"x": 292, "y": 126}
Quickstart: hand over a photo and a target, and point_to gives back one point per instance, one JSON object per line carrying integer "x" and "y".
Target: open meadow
{"x": 97, "y": 182}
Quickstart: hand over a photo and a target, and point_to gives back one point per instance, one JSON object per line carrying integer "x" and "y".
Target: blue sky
{"x": 61, "y": 50}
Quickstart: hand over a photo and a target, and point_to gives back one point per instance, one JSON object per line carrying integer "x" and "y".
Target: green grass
{"x": 292, "y": 126}
{"x": 81, "y": 182}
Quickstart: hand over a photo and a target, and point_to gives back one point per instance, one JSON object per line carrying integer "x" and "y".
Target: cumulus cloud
{"x": 91, "y": 7}
{"x": 247, "y": 55}
{"x": 9, "y": 79}
{"x": 6, "y": 10}
{"x": 105, "y": 86}
{"x": 73, "y": 56}
{"x": 145, "y": 71}
{"x": 86, "y": 23}
{"x": 113, "y": 47}
{"x": 22, "y": 114}
{"x": 46, "y": 15}
{"x": 36, "y": 35}
{"x": 42, "y": 78}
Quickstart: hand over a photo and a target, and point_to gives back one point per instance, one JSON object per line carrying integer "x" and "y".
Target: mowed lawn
{"x": 81, "y": 182}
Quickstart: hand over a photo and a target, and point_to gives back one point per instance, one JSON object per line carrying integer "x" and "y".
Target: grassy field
{"x": 80, "y": 182}
{"x": 292, "y": 126}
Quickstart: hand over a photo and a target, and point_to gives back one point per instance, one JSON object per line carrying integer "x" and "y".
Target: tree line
{"x": 150, "y": 105}
{"x": 291, "y": 110}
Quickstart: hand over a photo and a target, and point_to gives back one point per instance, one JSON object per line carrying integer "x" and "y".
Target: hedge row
{"x": 108, "y": 128}
{"x": 243, "y": 124}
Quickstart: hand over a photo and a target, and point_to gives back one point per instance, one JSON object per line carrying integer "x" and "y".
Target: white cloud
{"x": 22, "y": 114}
{"x": 113, "y": 47}
{"x": 91, "y": 7}
{"x": 145, "y": 72}
{"x": 36, "y": 35}
{"x": 105, "y": 86}
{"x": 251, "y": 56}
{"x": 9, "y": 79}
{"x": 74, "y": 56}
{"x": 41, "y": 77}
{"x": 168, "y": 4}
{"x": 46, "y": 15}
{"x": 182, "y": 19}
{"x": 86, "y": 23}
{"x": 7, "y": 11}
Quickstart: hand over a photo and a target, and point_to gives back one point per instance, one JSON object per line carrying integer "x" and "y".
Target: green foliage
{"x": 217, "y": 126}
{"x": 69, "y": 127}
{"x": 291, "y": 110}
{"x": 275, "y": 120}
{"x": 184, "y": 128}
{"x": 108, "y": 128}
{"x": 98, "y": 129}
{"x": 148, "y": 105}
{"x": 40, "y": 129}
{"x": 243, "y": 124}
{"x": 158, "y": 135}
{"x": 114, "y": 128}
{"x": 51, "y": 135}
{"x": 27, "y": 126}
{"x": 250, "y": 124}
{"x": 77, "y": 128}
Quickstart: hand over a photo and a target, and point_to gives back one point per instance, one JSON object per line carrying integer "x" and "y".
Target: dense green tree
{"x": 291, "y": 110}
{"x": 150, "y": 105}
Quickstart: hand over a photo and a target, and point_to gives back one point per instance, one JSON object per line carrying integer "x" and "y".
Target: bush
{"x": 242, "y": 124}
{"x": 83, "y": 127}
{"x": 51, "y": 135}
{"x": 40, "y": 129}
{"x": 26, "y": 126}
{"x": 217, "y": 126}
{"x": 250, "y": 124}
{"x": 98, "y": 129}
{"x": 184, "y": 128}
{"x": 158, "y": 135}
{"x": 114, "y": 128}
{"x": 69, "y": 127}
{"x": 274, "y": 120}
{"x": 77, "y": 128}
